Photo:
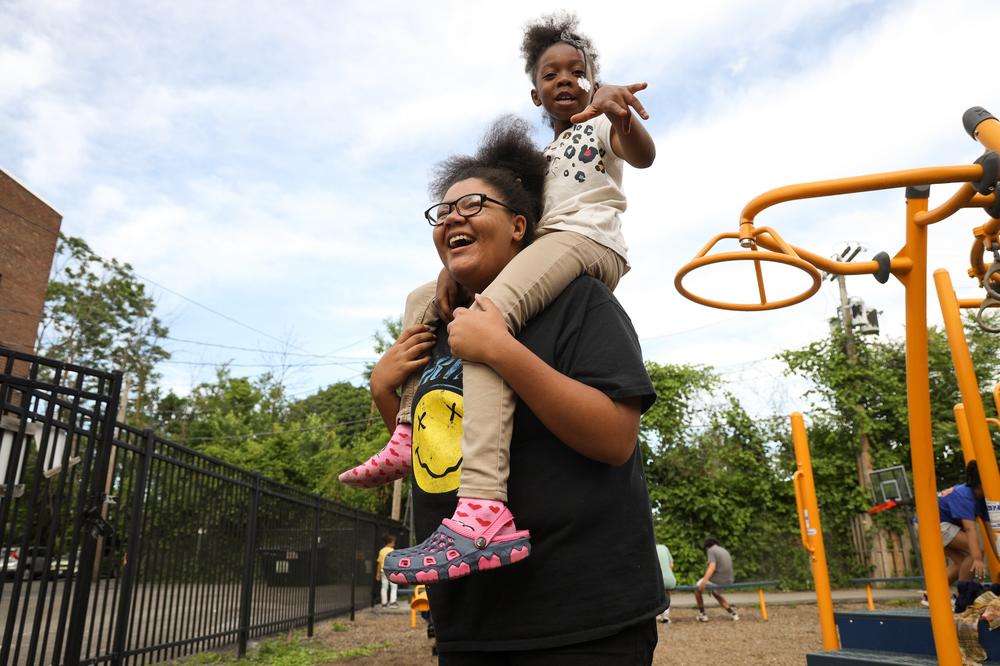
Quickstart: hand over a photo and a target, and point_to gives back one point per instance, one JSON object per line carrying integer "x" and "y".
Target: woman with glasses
{"x": 579, "y": 233}
{"x": 592, "y": 584}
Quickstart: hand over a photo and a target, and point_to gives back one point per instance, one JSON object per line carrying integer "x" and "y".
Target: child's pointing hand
{"x": 614, "y": 101}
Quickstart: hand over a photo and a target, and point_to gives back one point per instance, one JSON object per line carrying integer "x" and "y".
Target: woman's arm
{"x": 407, "y": 355}
{"x": 609, "y": 431}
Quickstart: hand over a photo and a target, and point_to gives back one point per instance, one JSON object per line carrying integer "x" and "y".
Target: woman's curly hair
{"x": 553, "y": 29}
{"x": 509, "y": 161}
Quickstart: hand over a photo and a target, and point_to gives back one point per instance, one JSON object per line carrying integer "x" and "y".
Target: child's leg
{"x": 420, "y": 309}
{"x": 394, "y": 460}
{"x": 525, "y": 287}
{"x": 482, "y": 527}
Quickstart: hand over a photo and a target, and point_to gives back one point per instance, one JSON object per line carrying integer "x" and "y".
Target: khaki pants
{"x": 525, "y": 287}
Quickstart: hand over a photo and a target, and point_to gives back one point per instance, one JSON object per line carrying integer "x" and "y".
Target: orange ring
{"x": 793, "y": 261}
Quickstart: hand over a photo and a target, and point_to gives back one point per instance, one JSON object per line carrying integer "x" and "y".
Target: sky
{"x": 264, "y": 166}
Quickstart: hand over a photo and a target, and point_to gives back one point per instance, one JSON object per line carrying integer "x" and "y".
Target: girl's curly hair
{"x": 553, "y": 29}
{"x": 509, "y": 161}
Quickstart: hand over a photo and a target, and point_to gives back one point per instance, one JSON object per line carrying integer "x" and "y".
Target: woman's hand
{"x": 476, "y": 334}
{"x": 978, "y": 569}
{"x": 407, "y": 355}
{"x": 448, "y": 294}
{"x": 613, "y": 101}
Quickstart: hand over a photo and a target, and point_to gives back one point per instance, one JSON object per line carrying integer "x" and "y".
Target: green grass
{"x": 339, "y": 626}
{"x": 293, "y": 651}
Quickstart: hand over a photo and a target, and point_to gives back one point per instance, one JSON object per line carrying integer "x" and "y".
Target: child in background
{"x": 959, "y": 507}
{"x": 389, "y": 589}
{"x": 579, "y": 233}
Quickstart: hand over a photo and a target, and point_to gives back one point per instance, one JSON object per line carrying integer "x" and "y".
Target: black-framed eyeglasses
{"x": 467, "y": 206}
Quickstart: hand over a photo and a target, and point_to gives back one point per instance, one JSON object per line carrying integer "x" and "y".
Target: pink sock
{"x": 478, "y": 514}
{"x": 393, "y": 462}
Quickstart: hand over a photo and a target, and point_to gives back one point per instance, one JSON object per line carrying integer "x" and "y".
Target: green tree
{"x": 877, "y": 384}
{"x": 99, "y": 314}
{"x": 714, "y": 471}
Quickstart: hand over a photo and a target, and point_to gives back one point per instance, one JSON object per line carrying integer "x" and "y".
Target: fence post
{"x": 89, "y": 524}
{"x": 354, "y": 566}
{"x": 246, "y": 595}
{"x": 133, "y": 546}
{"x": 313, "y": 569}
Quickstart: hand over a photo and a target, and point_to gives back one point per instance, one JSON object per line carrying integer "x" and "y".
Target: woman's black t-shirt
{"x": 593, "y": 569}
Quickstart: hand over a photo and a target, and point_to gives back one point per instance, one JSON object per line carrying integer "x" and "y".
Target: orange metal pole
{"x": 812, "y": 532}
{"x": 763, "y": 606}
{"x": 996, "y": 398}
{"x": 975, "y": 412}
{"x": 868, "y": 593}
{"x": 964, "y": 436}
{"x": 988, "y": 134}
{"x": 877, "y": 181}
{"x": 921, "y": 445}
{"x": 969, "y": 454}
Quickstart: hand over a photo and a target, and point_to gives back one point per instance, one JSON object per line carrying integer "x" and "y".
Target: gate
{"x": 122, "y": 547}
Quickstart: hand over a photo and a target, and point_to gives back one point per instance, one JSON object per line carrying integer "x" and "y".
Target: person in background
{"x": 389, "y": 589}
{"x": 718, "y": 572}
{"x": 669, "y": 580}
{"x": 959, "y": 507}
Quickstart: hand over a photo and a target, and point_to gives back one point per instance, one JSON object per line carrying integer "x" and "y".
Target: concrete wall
{"x": 29, "y": 229}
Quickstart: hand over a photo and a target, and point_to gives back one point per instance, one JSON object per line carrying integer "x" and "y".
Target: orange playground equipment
{"x": 763, "y": 245}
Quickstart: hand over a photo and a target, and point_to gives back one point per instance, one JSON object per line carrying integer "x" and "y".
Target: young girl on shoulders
{"x": 595, "y": 134}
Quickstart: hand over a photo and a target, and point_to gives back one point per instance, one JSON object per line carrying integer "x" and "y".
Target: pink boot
{"x": 393, "y": 462}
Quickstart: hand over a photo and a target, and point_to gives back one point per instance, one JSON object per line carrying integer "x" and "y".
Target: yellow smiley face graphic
{"x": 437, "y": 441}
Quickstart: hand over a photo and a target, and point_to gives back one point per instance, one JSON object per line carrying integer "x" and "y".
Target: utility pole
{"x": 850, "y": 347}
{"x": 876, "y": 554}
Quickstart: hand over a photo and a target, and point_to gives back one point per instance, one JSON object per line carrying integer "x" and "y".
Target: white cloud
{"x": 25, "y": 67}
{"x": 271, "y": 160}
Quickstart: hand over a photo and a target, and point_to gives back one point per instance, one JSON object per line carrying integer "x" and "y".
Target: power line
{"x": 31, "y": 222}
{"x": 20, "y": 312}
{"x": 254, "y": 435}
{"x": 216, "y": 312}
{"x": 263, "y": 351}
{"x": 689, "y": 330}
{"x": 204, "y": 364}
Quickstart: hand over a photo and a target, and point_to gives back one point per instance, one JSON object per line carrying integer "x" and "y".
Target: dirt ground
{"x": 789, "y": 633}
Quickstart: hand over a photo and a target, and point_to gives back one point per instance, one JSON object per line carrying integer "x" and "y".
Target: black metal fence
{"x": 117, "y": 546}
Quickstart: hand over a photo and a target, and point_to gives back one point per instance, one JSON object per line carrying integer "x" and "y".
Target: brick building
{"x": 29, "y": 229}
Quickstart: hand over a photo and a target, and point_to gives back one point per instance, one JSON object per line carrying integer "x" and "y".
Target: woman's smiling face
{"x": 475, "y": 249}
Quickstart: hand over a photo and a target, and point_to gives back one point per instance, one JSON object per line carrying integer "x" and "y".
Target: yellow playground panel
{"x": 419, "y": 603}
{"x": 762, "y": 245}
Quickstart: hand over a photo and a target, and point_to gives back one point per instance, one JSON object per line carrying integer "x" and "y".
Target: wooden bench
{"x": 758, "y": 585}
{"x": 868, "y": 582}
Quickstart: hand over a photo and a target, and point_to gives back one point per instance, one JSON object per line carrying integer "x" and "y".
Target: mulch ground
{"x": 789, "y": 633}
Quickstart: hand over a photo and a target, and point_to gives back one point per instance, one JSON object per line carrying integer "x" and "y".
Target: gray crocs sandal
{"x": 455, "y": 550}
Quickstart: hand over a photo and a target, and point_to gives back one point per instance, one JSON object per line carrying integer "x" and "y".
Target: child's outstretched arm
{"x": 629, "y": 139}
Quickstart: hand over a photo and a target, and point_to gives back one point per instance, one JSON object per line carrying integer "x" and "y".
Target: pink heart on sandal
{"x": 426, "y": 576}
{"x": 462, "y": 569}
